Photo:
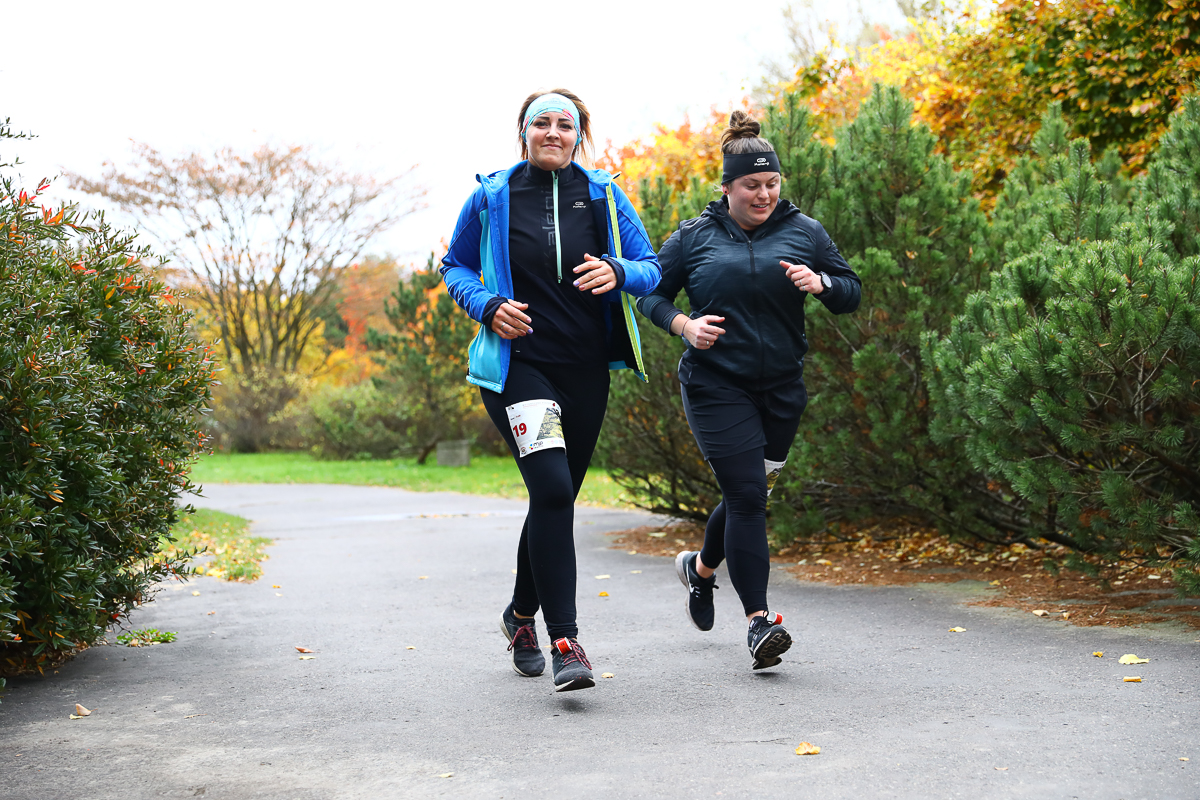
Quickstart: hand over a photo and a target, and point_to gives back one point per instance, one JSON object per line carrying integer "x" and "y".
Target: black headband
{"x": 739, "y": 164}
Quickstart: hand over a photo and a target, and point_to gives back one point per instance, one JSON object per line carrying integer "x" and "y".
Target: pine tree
{"x": 1072, "y": 377}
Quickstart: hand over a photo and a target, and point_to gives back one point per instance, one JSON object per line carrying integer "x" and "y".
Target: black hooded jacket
{"x": 735, "y": 274}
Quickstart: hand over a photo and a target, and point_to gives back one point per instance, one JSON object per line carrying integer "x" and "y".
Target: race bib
{"x": 773, "y": 469}
{"x": 536, "y": 425}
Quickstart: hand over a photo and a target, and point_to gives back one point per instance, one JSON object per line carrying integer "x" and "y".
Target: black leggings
{"x": 737, "y": 430}
{"x": 546, "y": 553}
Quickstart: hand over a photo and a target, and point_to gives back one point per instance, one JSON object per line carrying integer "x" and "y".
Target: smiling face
{"x": 752, "y": 198}
{"x": 551, "y": 140}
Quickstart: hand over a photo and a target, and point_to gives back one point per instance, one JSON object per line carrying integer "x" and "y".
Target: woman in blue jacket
{"x": 749, "y": 263}
{"x": 544, "y": 256}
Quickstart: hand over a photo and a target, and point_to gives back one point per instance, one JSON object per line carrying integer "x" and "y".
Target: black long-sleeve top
{"x": 735, "y": 274}
{"x": 568, "y": 325}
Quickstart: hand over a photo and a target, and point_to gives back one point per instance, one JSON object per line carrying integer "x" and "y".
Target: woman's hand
{"x": 509, "y": 321}
{"x": 597, "y": 275}
{"x": 702, "y": 332}
{"x": 805, "y": 279}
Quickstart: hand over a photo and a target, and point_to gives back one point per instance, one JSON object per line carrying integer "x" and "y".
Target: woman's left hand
{"x": 805, "y": 279}
{"x": 597, "y": 275}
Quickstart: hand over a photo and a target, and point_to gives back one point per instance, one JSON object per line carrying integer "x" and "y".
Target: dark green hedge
{"x": 101, "y": 391}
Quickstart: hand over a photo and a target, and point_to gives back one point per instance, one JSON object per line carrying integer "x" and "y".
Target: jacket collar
{"x": 719, "y": 211}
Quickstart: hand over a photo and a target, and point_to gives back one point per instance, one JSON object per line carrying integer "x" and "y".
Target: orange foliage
{"x": 676, "y": 154}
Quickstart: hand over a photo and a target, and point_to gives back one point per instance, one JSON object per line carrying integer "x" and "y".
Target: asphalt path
{"x": 409, "y": 692}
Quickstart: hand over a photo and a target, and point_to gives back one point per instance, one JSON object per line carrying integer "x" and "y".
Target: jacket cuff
{"x": 617, "y": 269}
{"x": 489, "y": 310}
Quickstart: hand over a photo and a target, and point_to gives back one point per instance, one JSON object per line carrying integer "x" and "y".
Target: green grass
{"x": 145, "y": 637}
{"x": 487, "y": 475}
{"x": 229, "y": 551}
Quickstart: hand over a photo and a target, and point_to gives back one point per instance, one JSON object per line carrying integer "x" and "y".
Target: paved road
{"x": 1015, "y": 707}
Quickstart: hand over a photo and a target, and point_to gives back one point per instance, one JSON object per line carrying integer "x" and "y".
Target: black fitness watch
{"x": 825, "y": 281}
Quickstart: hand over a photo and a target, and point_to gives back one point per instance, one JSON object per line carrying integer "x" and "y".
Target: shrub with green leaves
{"x": 1073, "y": 378}
{"x": 101, "y": 390}
{"x": 342, "y": 422}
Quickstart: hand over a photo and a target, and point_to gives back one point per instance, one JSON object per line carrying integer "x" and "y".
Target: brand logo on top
{"x": 579, "y": 204}
{"x": 760, "y": 161}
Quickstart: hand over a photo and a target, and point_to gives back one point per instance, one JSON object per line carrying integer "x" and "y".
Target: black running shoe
{"x": 699, "y": 606}
{"x": 527, "y": 657}
{"x": 572, "y": 670}
{"x": 768, "y": 640}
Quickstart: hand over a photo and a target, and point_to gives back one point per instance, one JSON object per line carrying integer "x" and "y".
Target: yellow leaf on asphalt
{"x": 209, "y": 614}
{"x": 1002, "y": 769}
{"x": 74, "y": 716}
{"x": 276, "y": 586}
{"x": 303, "y": 649}
{"x": 824, "y": 561}
{"x": 1040, "y": 613}
{"x": 958, "y": 630}
{"x": 279, "y": 594}
{"x": 603, "y": 577}
{"x": 635, "y": 572}
{"x": 807, "y": 749}
{"x": 307, "y": 658}
{"x": 195, "y": 594}
{"x": 607, "y": 675}
{"x": 446, "y": 775}
{"x": 1098, "y": 654}
{"x": 1134, "y": 679}
{"x": 81, "y": 711}
{"x": 603, "y": 594}
{"x": 1066, "y": 615}
{"x": 1184, "y": 759}
{"x": 994, "y": 583}
{"x": 422, "y": 577}
{"x": 410, "y": 647}
{"x": 1130, "y": 658}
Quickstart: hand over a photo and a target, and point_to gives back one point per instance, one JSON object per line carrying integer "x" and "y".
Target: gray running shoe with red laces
{"x": 572, "y": 670}
{"x": 527, "y": 657}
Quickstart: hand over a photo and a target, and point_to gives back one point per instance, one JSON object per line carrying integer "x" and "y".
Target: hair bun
{"x": 741, "y": 126}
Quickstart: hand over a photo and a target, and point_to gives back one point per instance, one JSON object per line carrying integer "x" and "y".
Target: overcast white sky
{"x": 377, "y": 86}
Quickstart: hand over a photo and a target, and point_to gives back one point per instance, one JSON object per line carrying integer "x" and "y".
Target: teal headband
{"x": 552, "y": 102}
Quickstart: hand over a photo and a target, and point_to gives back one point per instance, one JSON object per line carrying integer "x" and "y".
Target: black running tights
{"x": 546, "y": 553}
{"x": 737, "y": 528}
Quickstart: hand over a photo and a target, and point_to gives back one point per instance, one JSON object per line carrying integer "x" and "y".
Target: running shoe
{"x": 699, "y": 606}
{"x": 527, "y": 657}
{"x": 768, "y": 640}
{"x": 572, "y": 670}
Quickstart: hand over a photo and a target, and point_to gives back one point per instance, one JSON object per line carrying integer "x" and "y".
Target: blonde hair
{"x": 584, "y": 146}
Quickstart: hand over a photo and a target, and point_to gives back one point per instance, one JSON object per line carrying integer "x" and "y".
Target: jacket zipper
{"x": 557, "y": 245}
{"x": 754, "y": 302}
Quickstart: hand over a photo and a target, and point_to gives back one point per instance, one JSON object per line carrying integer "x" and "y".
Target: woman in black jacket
{"x": 748, "y": 263}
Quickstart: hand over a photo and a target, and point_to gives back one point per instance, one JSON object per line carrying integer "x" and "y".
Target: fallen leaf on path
{"x": 1098, "y": 654}
{"x": 1185, "y": 759}
{"x": 807, "y": 749}
{"x": 1134, "y": 679}
{"x": 635, "y": 572}
{"x": 209, "y": 614}
{"x": 995, "y": 583}
{"x": 603, "y": 594}
{"x": 958, "y": 630}
{"x": 446, "y": 775}
{"x": 1066, "y": 615}
{"x": 1001, "y": 769}
{"x": 279, "y": 594}
{"x": 307, "y": 658}
{"x": 632, "y": 552}
{"x": 603, "y": 577}
{"x": 1130, "y": 658}
{"x": 824, "y": 561}
{"x": 610, "y": 675}
{"x": 81, "y": 711}
{"x": 276, "y": 586}
{"x": 657, "y": 534}
{"x": 422, "y": 577}
{"x": 76, "y": 716}
{"x": 1040, "y": 613}
{"x": 410, "y": 647}
{"x": 302, "y": 649}
{"x": 195, "y": 594}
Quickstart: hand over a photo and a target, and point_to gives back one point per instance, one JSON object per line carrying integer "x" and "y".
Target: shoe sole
{"x": 681, "y": 571}
{"x": 504, "y": 630}
{"x": 770, "y": 649}
{"x": 576, "y": 683}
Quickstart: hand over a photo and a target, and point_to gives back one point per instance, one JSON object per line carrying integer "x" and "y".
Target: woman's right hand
{"x": 509, "y": 321}
{"x": 702, "y": 332}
